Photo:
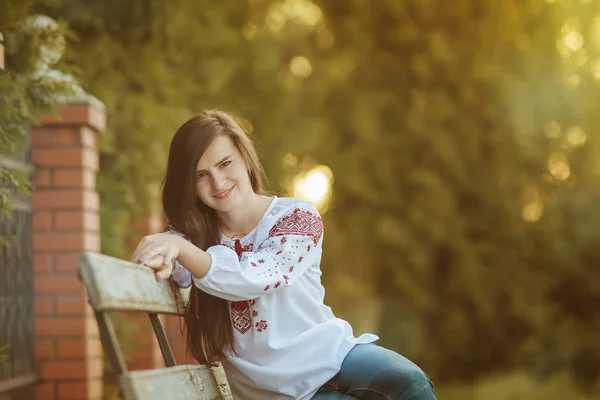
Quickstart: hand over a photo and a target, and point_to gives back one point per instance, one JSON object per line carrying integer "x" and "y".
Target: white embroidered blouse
{"x": 288, "y": 342}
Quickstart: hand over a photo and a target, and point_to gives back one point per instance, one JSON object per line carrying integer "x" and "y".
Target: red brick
{"x": 72, "y": 370}
{"x": 89, "y": 310}
{"x": 41, "y": 178}
{"x": 74, "y": 178}
{"x": 66, "y": 199}
{"x": 57, "y": 284}
{"x": 65, "y": 137}
{"x": 40, "y": 137}
{"x": 94, "y": 348}
{"x": 42, "y": 220}
{"x": 95, "y": 367}
{"x": 77, "y": 220}
{"x": 91, "y": 241}
{"x": 91, "y": 328}
{"x": 58, "y": 241}
{"x": 46, "y": 391}
{"x": 72, "y": 390}
{"x": 52, "y": 327}
{"x": 63, "y": 370}
{"x": 95, "y": 389}
{"x": 71, "y": 306}
{"x": 55, "y": 137}
{"x": 67, "y": 263}
{"x": 71, "y": 348}
{"x": 79, "y": 348}
{"x": 64, "y": 157}
{"x": 78, "y": 390}
{"x": 44, "y": 349}
{"x": 43, "y": 305}
{"x": 78, "y": 114}
{"x": 42, "y": 262}
{"x": 89, "y": 138}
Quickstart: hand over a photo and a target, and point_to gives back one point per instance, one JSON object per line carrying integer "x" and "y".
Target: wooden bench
{"x": 117, "y": 285}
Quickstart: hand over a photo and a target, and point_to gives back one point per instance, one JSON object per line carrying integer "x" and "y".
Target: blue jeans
{"x": 370, "y": 372}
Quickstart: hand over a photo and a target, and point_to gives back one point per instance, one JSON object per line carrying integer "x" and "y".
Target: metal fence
{"x": 17, "y": 367}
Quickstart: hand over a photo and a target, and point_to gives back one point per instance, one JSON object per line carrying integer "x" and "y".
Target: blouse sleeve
{"x": 292, "y": 246}
{"x": 180, "y": 275}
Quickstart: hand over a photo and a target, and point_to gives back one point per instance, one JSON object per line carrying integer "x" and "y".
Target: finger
{"x": 163, "y": 273}
{"x": 155, "y": 262}
{"x": 151, "y": 252}
{"x": 144, "y": 250}
{"x": 142, "y": 245}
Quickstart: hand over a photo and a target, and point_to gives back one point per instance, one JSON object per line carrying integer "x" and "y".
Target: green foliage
{"x": 443, "y": 135}
{"x": 15, "y": 121}
{"x": 4, "y": 356}
{"x": 27, "y": 89}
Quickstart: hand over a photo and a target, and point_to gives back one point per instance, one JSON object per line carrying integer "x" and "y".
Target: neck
{"x": 242, "y": 220}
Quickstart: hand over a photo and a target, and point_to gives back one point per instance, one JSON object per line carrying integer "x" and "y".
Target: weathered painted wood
{"x": 185, "y": 382}
{"x": 118, "y": 285}
{"x": 115, "y": 284}
{"x": 110, "y": 342}
{"x": 163, "y": 340}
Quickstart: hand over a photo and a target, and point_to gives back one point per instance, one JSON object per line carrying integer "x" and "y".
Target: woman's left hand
{"x": 155, "y": 247}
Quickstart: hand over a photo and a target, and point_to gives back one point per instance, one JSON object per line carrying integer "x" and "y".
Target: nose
{"x": 217, "y": 180}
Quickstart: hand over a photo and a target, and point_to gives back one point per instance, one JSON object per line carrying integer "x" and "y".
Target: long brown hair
{"x": 208, "y": 325}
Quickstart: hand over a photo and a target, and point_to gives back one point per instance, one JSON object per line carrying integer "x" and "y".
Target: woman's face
{"x": 222, "y": 179}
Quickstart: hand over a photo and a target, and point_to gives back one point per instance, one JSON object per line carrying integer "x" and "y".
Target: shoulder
{"x": 288, "y": 205}
{"x": 296, "y": 217}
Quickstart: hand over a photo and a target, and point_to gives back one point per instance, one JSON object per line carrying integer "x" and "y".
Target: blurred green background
{"x": 453, "y": 148}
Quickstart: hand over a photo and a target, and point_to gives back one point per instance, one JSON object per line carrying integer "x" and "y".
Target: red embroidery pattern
{"x": 277, "y": 284}
{"x": 253, "y": 264}
{"x": 267, "y": 287}
{"x": 240, "y": 316}
{"x": 300, "y": 259}
{"x": 292, "y": 269}
{"x": 301, "y": 223}
{"x": 239, "y": 249}
{"x": 261, "y": 325}
{"x": 308, "y": 248}
{"x": 285, "y": 277}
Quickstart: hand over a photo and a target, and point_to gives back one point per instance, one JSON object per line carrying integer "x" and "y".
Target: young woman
{"x": 256, "y": 303}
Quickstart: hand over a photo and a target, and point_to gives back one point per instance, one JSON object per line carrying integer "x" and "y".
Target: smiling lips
{"x": 224, "y": 194}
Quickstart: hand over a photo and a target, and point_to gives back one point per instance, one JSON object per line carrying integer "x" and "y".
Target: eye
{"x": 200, "y": 175}
{"x": 226, "y": 164}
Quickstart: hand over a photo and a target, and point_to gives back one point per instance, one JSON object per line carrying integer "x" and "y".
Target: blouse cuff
{"x": 213, "y": 265}
{"x": 182, "y": 276}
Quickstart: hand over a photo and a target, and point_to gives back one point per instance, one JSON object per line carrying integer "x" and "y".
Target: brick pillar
{"x": 66, "y": 222}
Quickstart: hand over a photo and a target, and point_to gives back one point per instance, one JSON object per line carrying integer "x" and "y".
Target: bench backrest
{"x": 117, "y": 285}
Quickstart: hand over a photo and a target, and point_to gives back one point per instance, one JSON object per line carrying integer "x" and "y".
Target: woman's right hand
{"x": 161, "y": 270}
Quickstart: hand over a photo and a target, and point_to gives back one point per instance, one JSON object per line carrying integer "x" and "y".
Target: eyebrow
{"x": 220, "y": 162}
